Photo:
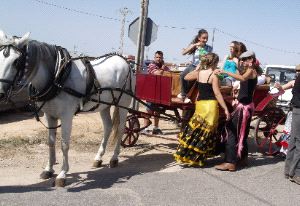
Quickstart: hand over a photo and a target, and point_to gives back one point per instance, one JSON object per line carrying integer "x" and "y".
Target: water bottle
{"x": 220, "y": 76}
{"x": 202, "y": 51}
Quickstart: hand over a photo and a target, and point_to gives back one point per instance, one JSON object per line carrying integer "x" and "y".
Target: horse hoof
{"x": 60, "y": 182}
{"x": 97, "y": 163}
{"x": 113, "y": 163}
{"x": 46, "y": 175}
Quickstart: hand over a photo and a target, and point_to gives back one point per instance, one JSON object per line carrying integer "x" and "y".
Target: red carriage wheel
{"x": 132, "y": 129}
{"x": 267, "y": 131}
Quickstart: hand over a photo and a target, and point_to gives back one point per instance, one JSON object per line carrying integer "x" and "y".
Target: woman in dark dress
{"x": 236, "y": 147}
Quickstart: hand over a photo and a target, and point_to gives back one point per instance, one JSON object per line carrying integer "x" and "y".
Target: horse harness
{"x": 62, "y": 71}
{"x": 19, "y": 64}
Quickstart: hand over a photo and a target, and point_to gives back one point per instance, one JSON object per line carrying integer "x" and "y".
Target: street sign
{"x": 151, "y": 31}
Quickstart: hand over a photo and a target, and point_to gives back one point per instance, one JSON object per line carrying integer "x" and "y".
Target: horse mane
{"x": 40, "y": 51}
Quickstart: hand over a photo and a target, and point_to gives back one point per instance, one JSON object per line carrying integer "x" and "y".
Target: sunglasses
{"x": 245, "y": 58}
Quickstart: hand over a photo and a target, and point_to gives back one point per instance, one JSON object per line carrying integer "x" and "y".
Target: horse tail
{"x": 115, "y": 127}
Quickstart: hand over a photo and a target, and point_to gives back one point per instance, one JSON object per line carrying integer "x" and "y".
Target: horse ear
{"x": 2, "y": 37}
{"x": 23, "y": 40}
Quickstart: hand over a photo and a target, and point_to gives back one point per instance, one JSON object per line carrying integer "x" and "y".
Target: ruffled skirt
{"x": 198, "y": 140}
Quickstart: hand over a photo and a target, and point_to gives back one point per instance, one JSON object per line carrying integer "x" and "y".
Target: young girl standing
{"x": 197, "y": 141}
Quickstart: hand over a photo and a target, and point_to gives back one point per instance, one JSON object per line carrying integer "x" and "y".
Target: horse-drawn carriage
{"x": 61, "y": 86}
{"x": 162, "y": 90}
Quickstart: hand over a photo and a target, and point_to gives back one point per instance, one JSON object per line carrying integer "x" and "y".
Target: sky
{"x": 271, "y": 28}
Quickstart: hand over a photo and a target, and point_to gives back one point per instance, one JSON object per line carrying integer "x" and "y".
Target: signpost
{"x": 151, "y": 31}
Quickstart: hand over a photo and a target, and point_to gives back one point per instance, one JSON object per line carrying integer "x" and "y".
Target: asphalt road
{"x": 153, "y": 178}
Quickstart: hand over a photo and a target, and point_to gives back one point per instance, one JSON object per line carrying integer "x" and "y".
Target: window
{"x": 281, "y": 75}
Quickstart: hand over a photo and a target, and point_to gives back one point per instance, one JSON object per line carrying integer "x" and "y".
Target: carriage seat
{"x": 261, "y": 91}
{"x": 176, "y": 85}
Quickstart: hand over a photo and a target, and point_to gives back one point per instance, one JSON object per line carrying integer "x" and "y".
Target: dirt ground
{"x": 24, "y": 150}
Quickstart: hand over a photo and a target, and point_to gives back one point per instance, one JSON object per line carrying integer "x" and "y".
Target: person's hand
{"x": 219, "y": 71}
{"x": 248, "y": 63}
{"x": 278, "y": 86}
{"x": 198, "y": 44}
{"x": 160, "y": 72}
{"x": 227, "y": 114}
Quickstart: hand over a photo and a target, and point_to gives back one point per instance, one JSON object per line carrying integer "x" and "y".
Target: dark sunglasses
{"x": 245, "y": 58}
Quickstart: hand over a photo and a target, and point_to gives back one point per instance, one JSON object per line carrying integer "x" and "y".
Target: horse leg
{"x": 119, "y": 133}
{"x": 107, "y": 126}
{"x": 66, "y": 127}
{"x": 48, "y": 171}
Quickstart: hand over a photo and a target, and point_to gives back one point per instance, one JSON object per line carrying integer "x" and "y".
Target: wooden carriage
{"x": 163, "y": 89}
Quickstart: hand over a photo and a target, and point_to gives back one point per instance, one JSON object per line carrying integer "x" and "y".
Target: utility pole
{"x": 124, "y": 11}
{"x": 142, "y": 33}
{"x": 75, "y": 50}
{"x": 213, "y": 38}
{"x": 141, "y": 42}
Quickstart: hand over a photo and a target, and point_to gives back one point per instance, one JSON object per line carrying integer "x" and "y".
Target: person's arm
{"x": 286, "y": 86}
{"x": 153, "y": 69}
{"x": 157, "y": 72}
{"x": 165, "y": 68}
{"x": 160, "y": 71}
{"x": 190, "y": 48}
{"x": 218, "y": 95}
{"x": 193, "y": 75}
{"x": 237, "y": 76}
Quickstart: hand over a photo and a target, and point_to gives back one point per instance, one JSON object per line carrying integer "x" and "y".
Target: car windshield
{"x": 281, "y": 75}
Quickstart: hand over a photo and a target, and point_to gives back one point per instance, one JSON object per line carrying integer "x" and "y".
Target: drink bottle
{"x": 220, "y": 76}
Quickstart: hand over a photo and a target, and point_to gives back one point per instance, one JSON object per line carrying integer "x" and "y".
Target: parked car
{"x": 19, "y": 100}
{"x": 282, "y": 74}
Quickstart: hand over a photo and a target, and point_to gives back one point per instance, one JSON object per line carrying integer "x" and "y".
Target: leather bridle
{"x": 19, "y": 65}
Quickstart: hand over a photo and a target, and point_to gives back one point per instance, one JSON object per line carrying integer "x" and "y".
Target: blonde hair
{"x": 209, "y": 60}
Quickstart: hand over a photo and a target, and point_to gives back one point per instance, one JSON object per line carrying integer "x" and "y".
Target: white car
{"x": 17, "y": 101}
{"x": 282, "y": 74}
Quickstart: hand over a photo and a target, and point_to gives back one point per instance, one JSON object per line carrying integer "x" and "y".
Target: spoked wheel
{"x": 267, "y": 131}
{"x": 132, "y": 130}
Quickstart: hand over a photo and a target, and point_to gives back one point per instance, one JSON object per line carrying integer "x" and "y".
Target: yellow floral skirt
{"x": 198, "y": 140}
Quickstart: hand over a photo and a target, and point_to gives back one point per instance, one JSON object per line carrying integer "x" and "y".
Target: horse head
{"x": 11, "y": 56}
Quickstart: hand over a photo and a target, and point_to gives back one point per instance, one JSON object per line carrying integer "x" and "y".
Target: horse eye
{"x": 16, "y": 63}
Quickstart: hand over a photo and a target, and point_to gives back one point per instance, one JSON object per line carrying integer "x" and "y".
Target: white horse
{"x": 61, "y": 88}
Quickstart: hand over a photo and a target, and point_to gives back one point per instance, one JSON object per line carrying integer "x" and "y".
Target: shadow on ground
{"x": 139, "y": 164}
{"x": 14, "y": 116}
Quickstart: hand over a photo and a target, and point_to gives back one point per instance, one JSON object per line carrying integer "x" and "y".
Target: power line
{"x": 166, "y": 26}
{"x": 75, "y": 10}
{"x": 257, "y": 44}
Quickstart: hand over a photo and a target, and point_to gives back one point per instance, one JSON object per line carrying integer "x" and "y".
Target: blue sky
{"x": 271, "y": 28}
